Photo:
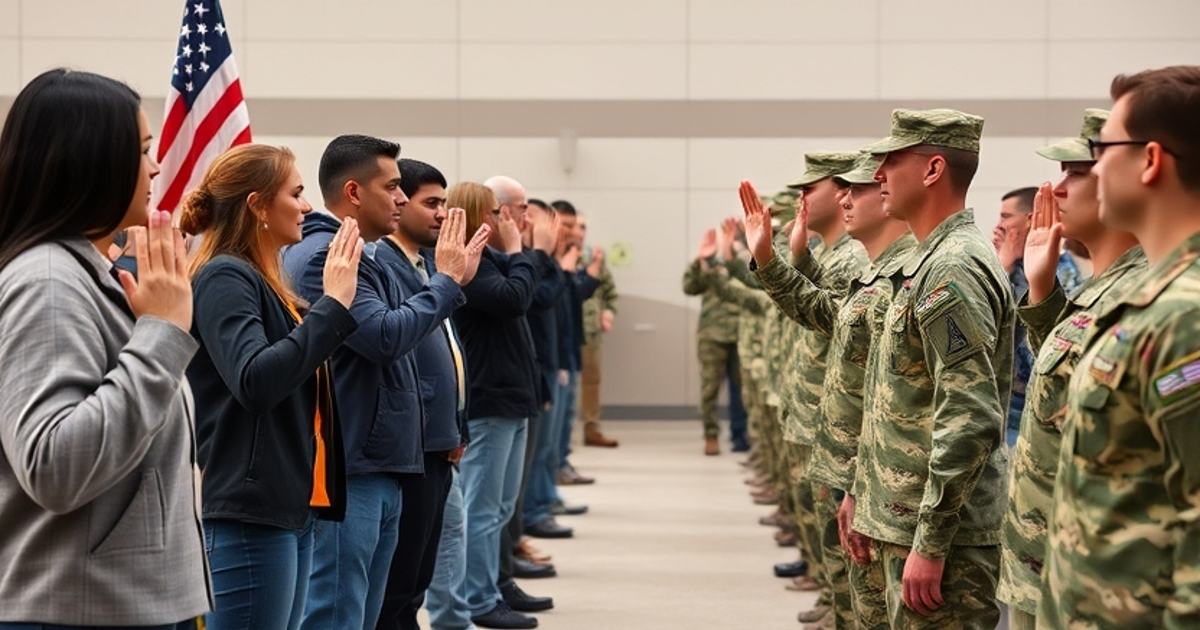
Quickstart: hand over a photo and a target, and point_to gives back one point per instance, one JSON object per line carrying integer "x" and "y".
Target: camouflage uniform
{"x": 1124, "y": 541}
{"x": 831, "y": 268}
{"x": 716, "y": 343}
{"x": 932, "y": 466}
{"x": 604, "y": 299}
{"x": 1063, "y": 322}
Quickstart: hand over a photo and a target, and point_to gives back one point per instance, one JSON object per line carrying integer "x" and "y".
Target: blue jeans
{"x": 541, "y": 490}
{"x": 351, "y": 559}
{"x": 491, "y": 481}
{"x": 565, "y": 407}
{"x": 259, "y": 574}
{"x": 446, "y": 599}
{"x": 21, "y": 625}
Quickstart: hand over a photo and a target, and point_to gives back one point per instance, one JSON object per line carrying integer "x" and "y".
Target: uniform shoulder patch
{"x": 949, "y": 329}
{"x": 1177, "y": 381}
{"x": 939, "y": 300}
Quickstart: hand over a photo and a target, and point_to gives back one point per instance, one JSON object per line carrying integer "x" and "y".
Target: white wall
{"x": 654, "y": 193}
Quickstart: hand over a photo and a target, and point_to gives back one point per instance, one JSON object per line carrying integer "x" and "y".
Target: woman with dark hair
{"x": 269, "y": 439}
{"x": 97, "y": 482}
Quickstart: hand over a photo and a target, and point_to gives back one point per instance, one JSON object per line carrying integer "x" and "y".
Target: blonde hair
{"x": 220, "y": 208}
{"x": 478, "y": 200}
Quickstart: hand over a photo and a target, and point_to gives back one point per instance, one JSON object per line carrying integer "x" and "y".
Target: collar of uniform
{"x": 1160, "y": 276}
{"x": 1097, "y": 286}
{"x": 952, "y": 223}
{"x": 891, "y": 259}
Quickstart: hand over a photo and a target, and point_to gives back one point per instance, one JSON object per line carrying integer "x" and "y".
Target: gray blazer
{"x": 99, "y": 519}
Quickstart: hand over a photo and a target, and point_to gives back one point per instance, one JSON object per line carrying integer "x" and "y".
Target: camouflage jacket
{"x": 932, "y": 462}
{"x": 836, "y": 446}
{"x": 604, "y": 299}
{"x": 1124, "y": 541}
{"x": 810, "y": 294}
{"x": 1062, "y": 322}
{"x": 718, "y": 319}
{"x": 754, "y": 307}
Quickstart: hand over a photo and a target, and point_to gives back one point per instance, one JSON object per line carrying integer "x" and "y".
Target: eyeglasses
{"x": 496, "y": 211}
{"x": 1098, "y": 146}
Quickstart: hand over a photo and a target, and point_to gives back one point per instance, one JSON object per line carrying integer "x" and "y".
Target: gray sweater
{"x": 98, "y": 486}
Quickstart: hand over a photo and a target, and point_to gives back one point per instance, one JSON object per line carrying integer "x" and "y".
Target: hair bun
{"x": 197, "y": 211}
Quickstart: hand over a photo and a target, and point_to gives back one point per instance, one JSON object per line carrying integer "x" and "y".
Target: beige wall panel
{"x": 10, "y": 71}
{"x": 573, "y": 21}
{"x": 782, "y": 71}
{"x": 722, "y": 163}
{"x": 959, "y": 20}
{"x": 1012, "y": 162}
{"x": 144, "y": 65}
{"x": 351, "y": 20}
{"x": 649, "y": 357}
{"x": 1116, "y": 20}
{"x": 1085, "y": 70}
{"x": 348, "y": 70}
{"x": 757, "y": 21}
{"x": 962, "y": 70}
{"x": 565, "y": 71}
{"x": 601, "y": 164}
{"x": 10, "y": 18}
{"x": 111, "y": 19}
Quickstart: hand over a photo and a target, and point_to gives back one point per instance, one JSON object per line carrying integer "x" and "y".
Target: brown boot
{"x": 593, "y": 437}
{"x": 711, "y": 447}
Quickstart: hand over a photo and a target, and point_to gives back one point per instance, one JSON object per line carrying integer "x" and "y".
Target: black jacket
{"x": 503, "y": 372}
{"x": 255, "y": 385}
{"x": 543, "y": 317}
{"x": 580, "y": 286}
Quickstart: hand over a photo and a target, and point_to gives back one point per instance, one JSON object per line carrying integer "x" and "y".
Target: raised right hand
{"x": 545, "y": 232}
{"x": 162, "y": 288}
{"x": 569, "y": 261}
{"x": 798, "y": 239}
{"x": 1043, "y": 246}
{"x": 450, "y": 254}
{"x": 758, "y": 224}
{"x": 510, "y": 232}
{"x": 341, "y": 263}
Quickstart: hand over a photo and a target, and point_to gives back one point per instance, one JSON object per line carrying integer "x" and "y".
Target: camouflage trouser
{"x": 833, "y": 557}
{"x": 804, "y": 504}
{"x": 1020, "y": 620}
{"x": 868, "y": 594}
{"x": 751, "y": 401}
{"x": 715, "y": 359}
{"x": 968, "y": 588}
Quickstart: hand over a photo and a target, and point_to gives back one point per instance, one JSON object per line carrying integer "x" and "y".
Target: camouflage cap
{"x": 818, "y": 166}
{"x": 1077, "y": 149}
{"x": 783, "y": 205}
{"x": 937, "y": 127}
{"x": 864, "y": 170}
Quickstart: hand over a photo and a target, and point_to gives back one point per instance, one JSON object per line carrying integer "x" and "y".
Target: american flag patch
{"x": 1178, "y": 379}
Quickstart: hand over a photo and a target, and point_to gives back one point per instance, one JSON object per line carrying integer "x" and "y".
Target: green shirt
{"x": 932, "y": 465}
{"x": 1062, "y": 323}
{"x": 718, "y": 318}
{"x": 1124, "y": 540}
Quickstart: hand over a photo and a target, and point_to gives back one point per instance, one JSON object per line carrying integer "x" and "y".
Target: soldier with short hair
{"x": 1057, "y": 320}
{"x": 1124, "y": 540}
{"x": 930, "y": 481}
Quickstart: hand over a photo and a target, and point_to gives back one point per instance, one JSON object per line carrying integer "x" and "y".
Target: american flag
{"x": 205, "y": 111}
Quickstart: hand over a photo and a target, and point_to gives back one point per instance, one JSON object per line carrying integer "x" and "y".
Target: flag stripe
{"x": 205, "y": 132}
{"x": 176, "y": 112}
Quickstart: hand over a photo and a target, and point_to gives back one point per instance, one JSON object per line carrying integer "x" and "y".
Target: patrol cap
{"x": 863, "y": 171}
{"x": 937, "y": 127}
{"x": 818, "y": 166}
{"x": 1077, "y": 149}
{"x": 783, "y": 205}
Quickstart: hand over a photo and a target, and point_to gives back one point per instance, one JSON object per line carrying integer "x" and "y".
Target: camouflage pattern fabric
{"x": 1061, "y": 323}
{"x": 932, "y": 467}
{"x": 833, "y": 557}
{"x": 604, "y": 299}
{"x": 968, "y": 585}
{"x": 836, "y": 439}
{"x": 718, "y": 319}
{"x": 937, "y": 127}
{"x": 1124, "y": 541}
{"x": 868, "y": 593}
